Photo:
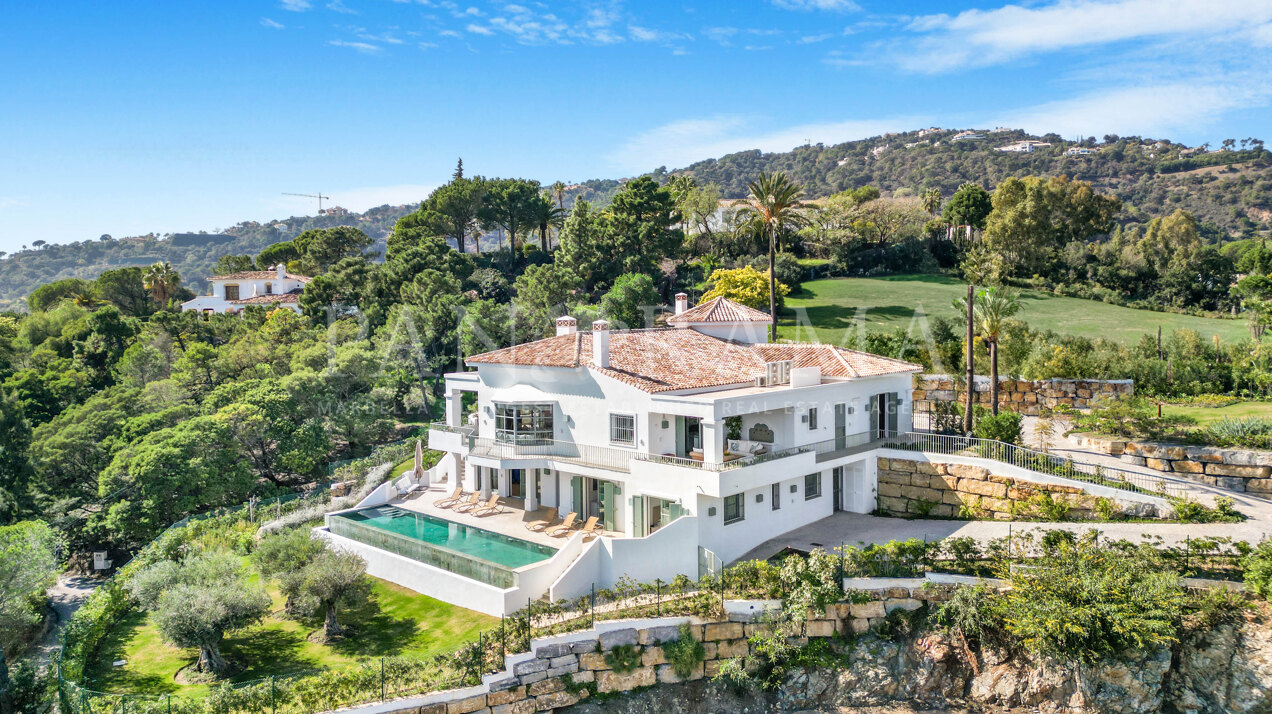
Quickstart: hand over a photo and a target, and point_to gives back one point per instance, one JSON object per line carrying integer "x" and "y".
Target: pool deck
{"x": 510, "y": 522}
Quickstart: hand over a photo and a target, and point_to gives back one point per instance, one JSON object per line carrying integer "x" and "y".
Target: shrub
{"x": 965, "y": 550}
{"x": 1258, "y": 570}
{"x": 685, "y": 653}
{"x": 1003, "y": 426}
{"x": 971, "y": 613}
{"x": 1130, "y": 418}
{"x": 623, "y": 659}
{"x": 1252, "y": 432}
{"x": 1089, "y": 603}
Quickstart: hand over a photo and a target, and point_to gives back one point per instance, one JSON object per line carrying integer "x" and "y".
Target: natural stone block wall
{"x": 564, "y": 674}
{"x": 1244, "y": 470}
{"x": 1023, "y": 395}
{"x": 910, "y": 488}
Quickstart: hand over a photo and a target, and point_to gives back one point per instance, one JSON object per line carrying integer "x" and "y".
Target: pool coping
{"x": 452, "y": 551}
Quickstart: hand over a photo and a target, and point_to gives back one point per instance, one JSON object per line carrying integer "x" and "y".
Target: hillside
{"x": 1229, "y": 190}
{"x": 192, "y": 254}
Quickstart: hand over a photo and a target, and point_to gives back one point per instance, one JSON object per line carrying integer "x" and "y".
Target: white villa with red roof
{"x": 690, "y": 445}
{"x": 234, "y": 292}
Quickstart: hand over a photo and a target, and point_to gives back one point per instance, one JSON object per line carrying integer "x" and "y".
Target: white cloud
{"x": 646, "y": 34}
{"x": 295, "y": 5}
{"x": 805, "y": 5}
{"x": 811, "y": 39}
{"x": 340, "y": 7}
{"x": 720, "y": 34}
{"x": 265, "y": 21}
{"x": 449, "y": 33}
{"x": 984, "y": 37}
{"x": 479, "y": 30}
{"x": 1158, "y": 110}
{"x": 365, "y": 48}
{"x": 682, "y": 142}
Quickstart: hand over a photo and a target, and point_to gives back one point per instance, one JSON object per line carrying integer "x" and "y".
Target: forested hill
{"x": 192, "y": 254}
{"x": 1228, "y": 189}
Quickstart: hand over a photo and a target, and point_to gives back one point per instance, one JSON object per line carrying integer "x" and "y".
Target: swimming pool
{"x": 472, "y": 552}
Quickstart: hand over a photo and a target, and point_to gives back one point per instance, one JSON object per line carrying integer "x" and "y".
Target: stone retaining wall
{"x": 910, "y": 488}
{"x": 562, "y": 674}
{"x": 1023, "y": 395}
{"x": 1243, "y": 470}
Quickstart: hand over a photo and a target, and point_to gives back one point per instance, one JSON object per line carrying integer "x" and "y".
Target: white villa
{"x": 690, "y": 445}
{"x": 231, "y": 293}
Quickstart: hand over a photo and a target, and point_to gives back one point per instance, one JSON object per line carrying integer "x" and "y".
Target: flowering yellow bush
{"x": 746, "y": 286}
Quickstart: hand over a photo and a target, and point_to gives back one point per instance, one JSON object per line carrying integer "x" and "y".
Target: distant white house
{"x": 878, "y": 150}
{"x": 1023, "y": 147}
{"x": 967, "y": 136}
{"x": 1079, "y": 151}
{"x": 234, "y": 292}
{"x": 930, "y": 130}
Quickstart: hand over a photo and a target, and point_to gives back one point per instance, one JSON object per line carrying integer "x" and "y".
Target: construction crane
{"x": 318, "y": 196}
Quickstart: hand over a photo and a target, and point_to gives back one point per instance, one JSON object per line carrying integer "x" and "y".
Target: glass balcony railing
{"x": 604, "y": 457}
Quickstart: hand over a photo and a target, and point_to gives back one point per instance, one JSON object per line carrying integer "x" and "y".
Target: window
{"x": 622, "y": 429}
{"x": 734, "y": 508}
{"x": 812, "y": 418}
{"x": 231, "y": 292}
{"x": 777, "y": 496}
{"x": 812, "y": 486}
{"x": 269, "y": 288}
{"x": 523, "y": 423}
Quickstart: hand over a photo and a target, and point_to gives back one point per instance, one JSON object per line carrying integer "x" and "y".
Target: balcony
{"x": 451, "y": 439}
{"x": 603, "y": 457}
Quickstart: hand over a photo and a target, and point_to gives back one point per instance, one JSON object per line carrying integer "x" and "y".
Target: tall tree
{"x": 28, "y": 566}
{"x": 931, "y": 200}
{"x": 510, "y": 204}
{"x": 992, "y": 308}
{"x": 15, "y": 463}
{"x": 772, "y": 208}
{"x": 969, "y": 206}
{"x": 161, "y": 280}
{"x": 547, "y": 215}
{"x": 1033, "y": 218}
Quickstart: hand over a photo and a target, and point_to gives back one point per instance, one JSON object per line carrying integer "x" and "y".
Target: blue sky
{"x": 131, "y": 117}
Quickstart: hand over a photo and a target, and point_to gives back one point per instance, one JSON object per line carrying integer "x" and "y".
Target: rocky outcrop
{"x": 1224, "y": 669}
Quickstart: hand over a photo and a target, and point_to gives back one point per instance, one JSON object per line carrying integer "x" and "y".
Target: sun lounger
{"x": 591, "y": 527}
{"x": 540, "y": 526}
{"x": 473, "y": 501}
{"x": 565, "y": 526}
{"x": 491, "y": 508}
{"x": 451, "y": 499}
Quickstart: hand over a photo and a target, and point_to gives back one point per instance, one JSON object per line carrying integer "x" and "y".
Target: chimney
{"x": 682, "y": 303}
{"x": 600, "y": 343}
{"x": 281, "y": 269}
{"x": 566, "y": 325}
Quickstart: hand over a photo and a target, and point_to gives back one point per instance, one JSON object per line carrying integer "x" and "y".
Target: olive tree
{"x": 336, "y": 578}
{"x": 284, "y": 557}
{"x": 196, "y": 601}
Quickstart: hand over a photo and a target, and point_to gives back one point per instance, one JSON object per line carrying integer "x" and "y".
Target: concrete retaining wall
{"x": 1243, "y": 470}
{"x": 1022, "y": 395}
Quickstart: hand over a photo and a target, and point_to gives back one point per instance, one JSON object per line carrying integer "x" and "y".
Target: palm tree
{"x": 85, "y": 298}
{"x": 772, "y": 207}
{"x": 545, "y": 216}
{"x": 558, "y": 190}
{"x": 931, "y": 200}
{"x": 992, "y": 308}
{"x": 161, "y": 280}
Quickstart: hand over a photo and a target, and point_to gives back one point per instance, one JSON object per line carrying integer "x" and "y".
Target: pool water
{"x": 465, "y": 540}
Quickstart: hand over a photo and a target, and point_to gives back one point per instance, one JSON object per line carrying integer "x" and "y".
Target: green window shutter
{"x": 609, "y": 506}
{"x": 638, "y": 516}
{"x": 576, "y": 485}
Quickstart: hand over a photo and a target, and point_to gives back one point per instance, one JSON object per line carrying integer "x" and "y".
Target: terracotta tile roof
{"x": 269, "y": 299}
{"x": 719, "y": 309}
{"x": 259, "y": 275}
{"x": 679, "y": 359}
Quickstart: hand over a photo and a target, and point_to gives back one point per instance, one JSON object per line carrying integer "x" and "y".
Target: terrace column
{"x": 454, "y": 407}
{"x": 487, "y": 476}
{"x": 713, "y": 442}
{"x": 532, "y": 480}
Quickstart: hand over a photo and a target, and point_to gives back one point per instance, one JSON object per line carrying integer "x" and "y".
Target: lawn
{"x": 396, "y": 622}
{"x": 1206, "y": 415}
{"x": 831, "y": 308}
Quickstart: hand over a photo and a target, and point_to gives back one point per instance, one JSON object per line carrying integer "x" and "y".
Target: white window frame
{"x": 632, "y": 417}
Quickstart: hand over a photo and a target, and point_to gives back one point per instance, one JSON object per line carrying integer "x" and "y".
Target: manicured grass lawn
{"x": 1206, "y": 415}
{"x": 893, "y": 302}
{"x": 396, "y": 622}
